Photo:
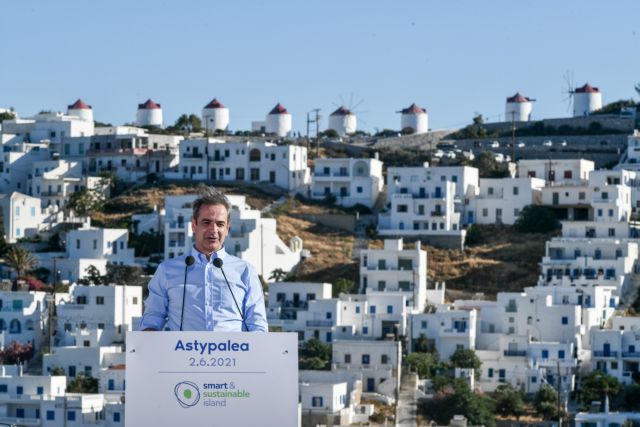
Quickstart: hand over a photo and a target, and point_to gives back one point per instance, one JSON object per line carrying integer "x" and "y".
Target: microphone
{"x": 188, "y": 261}
{"x": 218, "y": 263}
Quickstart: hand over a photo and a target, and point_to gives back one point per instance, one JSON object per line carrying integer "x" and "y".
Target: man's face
{"x": 210, "y": 228}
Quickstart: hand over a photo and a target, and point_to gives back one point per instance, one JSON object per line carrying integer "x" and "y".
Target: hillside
{"x": 505, "y": 261}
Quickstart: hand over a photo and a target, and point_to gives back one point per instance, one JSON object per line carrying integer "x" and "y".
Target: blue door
{"x": 371, "y": 384}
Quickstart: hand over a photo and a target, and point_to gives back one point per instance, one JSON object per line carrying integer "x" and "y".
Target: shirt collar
{"x": 202, "y": 258}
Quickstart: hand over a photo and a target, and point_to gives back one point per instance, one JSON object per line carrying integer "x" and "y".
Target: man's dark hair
{"x": 210, "y": 196}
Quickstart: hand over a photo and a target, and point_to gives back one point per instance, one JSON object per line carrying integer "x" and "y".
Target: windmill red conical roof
{"x": 79, "y": 105}
{"x": 279, "y": 109}
{"x": 587, "y": 88}
{"x": 148, "y": 105}
{"x": 413, "y": 109}
{"x": 342, "y": 111}
{"x": 214, "y": 104}
{"x": 518, "y": 98}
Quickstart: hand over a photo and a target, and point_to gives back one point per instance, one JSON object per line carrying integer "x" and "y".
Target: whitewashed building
{"x": 500, "y": 200}
{"x": 87, "y": 247}
{"x": 130, "y": 153}
{"x": 97, "y": 315}
{"x": 522, "y": 337}
{"x": 615, "y": 348}
{"x": 350, "y": 181}
{"x": 24, "y": 317}
{"x": 556, "y": 171}
{"x": 31, "y": 399}
{"x": 396, "y": 269}
{"x": 444, "y": 331}
{"x": 428, "y": 202}
{"x": 17, "y": 164}
{"x": 82, "y": 360}
{"x": 49, "y": 126}
{"x": 53, "y": 181}
{"x": 379, "y": 362}
{"x": 284, "y": 166}
{"x": 21, "y": 216}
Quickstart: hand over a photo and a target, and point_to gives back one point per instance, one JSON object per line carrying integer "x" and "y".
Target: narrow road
{"x": 407, "y": 406}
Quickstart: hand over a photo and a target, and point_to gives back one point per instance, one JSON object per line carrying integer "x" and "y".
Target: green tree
{"x": 278, "y": 275}
{"x": 473, "y": 236}
{"x": 92, "y": 276}
{"x": 536, "y": 219}
{"x": 189, "y": 122}
{"x": 130, "y": 275}
{"x": 329, "y": 133}
{"x": 342, "y": 286}
{"x": 509, "y": 401}
{"x": 424, "y": 364}
{"x": 458, "y": 399}
{"x": 466, "y": 358}
{"x": 545, "y": 402}
{"x": 628, "y": 399}
{"x": 7, "y": 115}
{"x": 595, "y": 386}
{"x": 314, "y": 354}
{"x": 20, "y": 260}
{"x": 488, "y": 166}
{"x": 83, "y": 202}
{"x": 58, "y": 371}
{"x": 83, "y": 384}
{"x": 147, "y": 243}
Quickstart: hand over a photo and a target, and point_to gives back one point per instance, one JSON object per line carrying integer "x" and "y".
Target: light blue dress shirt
{"x": 208, "y": 304}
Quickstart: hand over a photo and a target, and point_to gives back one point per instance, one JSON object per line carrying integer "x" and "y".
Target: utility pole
{"x": 313, "y": 118}
{"x": 559, "y": 396}
{"x": 513, "y": 138}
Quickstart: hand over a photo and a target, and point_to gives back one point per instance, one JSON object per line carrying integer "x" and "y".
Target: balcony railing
{"x": 320, "y": 323}
{"x": 511, "y": 308}
{"x": 51, "y": 193}
{"x": 631, "y": 354}
{"x": 515, "y": 353}
{"x": 191, "y": 155}
{"x": 605, "y": 354}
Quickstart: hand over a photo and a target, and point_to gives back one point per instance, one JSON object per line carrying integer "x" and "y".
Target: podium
{"x": 211, "y": 379}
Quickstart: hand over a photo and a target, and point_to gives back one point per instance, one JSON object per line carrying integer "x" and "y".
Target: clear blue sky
{"x": 454, "y": 58}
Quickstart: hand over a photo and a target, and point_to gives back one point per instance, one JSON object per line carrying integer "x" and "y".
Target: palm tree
{"x": 20, "y": 260}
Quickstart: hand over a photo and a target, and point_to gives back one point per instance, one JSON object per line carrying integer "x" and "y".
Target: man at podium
{"x": 206, "y": 289}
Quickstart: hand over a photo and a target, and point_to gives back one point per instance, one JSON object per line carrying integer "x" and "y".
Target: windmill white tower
{"x": 278, "y": 121}
{"x": 215, "y": 116}
{"x": 518, "y": 108}
{"x": 343, "y": 121}
{"x": 586, "y": 100}
{"x": 80, "y": 109}
{"x": 415, "y": 118}
{"x": 149, "y": 114}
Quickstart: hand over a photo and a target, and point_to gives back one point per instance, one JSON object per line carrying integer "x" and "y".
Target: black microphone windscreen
{"x": 189, "y": 260}
{"x": 217, "y": 262}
